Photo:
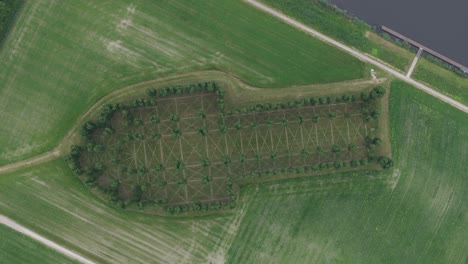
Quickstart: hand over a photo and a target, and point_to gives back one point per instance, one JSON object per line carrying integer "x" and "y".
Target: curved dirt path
{"x": 357, "y": 54}
{"x": 32, "y": 161}
{"x": 25, "y": 231}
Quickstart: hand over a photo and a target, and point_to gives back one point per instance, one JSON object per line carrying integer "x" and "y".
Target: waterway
{"x": 441, "y": 25}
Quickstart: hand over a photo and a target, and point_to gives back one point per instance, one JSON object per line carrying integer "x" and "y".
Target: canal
{"x": 439, "y": 25}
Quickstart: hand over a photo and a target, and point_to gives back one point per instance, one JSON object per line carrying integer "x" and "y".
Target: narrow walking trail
{"x": 356, "y": 54}
{"x": 32, "y": 161}
{"x": 23, "y": 230}
{"x": 413, "y": 65}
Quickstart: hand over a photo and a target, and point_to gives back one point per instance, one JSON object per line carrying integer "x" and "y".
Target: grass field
{"x": 442, "y": 79}
{"x": 62, "y": 56}
{"x": 416, "y": 214}
{"x": 17, "y": 248}
{"x": 332, "y": 22}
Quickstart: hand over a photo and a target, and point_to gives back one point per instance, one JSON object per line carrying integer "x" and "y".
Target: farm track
{"x": 27, "y": 232}
{"x": 64, "y": 145}
{"x": 361, "y": 56}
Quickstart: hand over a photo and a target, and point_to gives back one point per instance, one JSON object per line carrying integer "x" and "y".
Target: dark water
{"x": 441, "y": 25}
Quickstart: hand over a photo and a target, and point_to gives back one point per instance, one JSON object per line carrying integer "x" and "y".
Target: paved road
{"x": 357, "y": 54}
{"x": 13, "y": 225}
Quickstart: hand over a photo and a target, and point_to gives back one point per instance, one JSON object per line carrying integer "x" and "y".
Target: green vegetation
{"x": 326, "y": 18}
{"x": 49, "y": 200}
{"x": 18, "y": 248}
{"x": 9, "y": 9}
{"x": 179, "y": 148}
{"x": 416, "y": 213}
{"x": 62, "y": 56}
{"x": 443, "y": 80}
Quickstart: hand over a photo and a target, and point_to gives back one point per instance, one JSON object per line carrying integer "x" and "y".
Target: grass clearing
{"x": 442, "y": 80}
{"x": 18, "y": 248}
{"x": 61, "y": 57}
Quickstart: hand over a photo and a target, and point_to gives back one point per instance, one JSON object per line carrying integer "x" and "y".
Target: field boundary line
{"x": 361, "y": 56}
{"x": 27, "y": 232}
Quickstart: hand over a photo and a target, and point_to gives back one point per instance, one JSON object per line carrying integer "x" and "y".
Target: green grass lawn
{"x": 18, "y": 248}
{"x": 62, "y": 56}
{"x": 442, "y": 80}
{"x": 416, "y": 214}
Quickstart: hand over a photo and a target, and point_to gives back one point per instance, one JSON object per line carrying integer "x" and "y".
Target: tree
{"x": 238, "y": 125}
{"x": 315, "y": 118}
{"x": 352, "y": 147}
{"x": 273, "y": 155}
{"x": 205, "y": 162}
{"x": 300, "y": 120}
{"x": 222, "y": 129}
{"x": 242, "y": 158}
{"x": 176, "y": 133}
{"x": 252, "y": 124}
{"x": 269, "y": 123}
{"x": 320, "y": 151}
{"x": 347, "y": 115}
{"x": 180, "y": 165}
{"x": 332, "y": 115}
{"x": 336, "y": 149}
{"x": 304, "y": 153}
{"x": 174, "y": 118}
{"x": 226, "y": 160}
{"x": 154, "y": 119}
{"x": 377, "y": 92}
{"x": 385, "y": 162}
{"x": 151, "y": 91}
{"x": 284, "y": 122}
{"x": 203, "y": 131}
{"x": 206, "y": 179}
{"x": 159, "y": 167}
{"x": 201, "y": 114}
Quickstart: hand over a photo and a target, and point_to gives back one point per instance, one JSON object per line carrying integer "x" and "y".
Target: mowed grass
{"x": 442, "y": 80}
{"x": 62, "y": 56}
{"x": 52, "y": 202}
{"x": 18, "y": 248}
{"x": 416, "y": 214}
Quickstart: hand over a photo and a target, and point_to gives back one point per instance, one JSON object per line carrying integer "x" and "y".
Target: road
{"x": 357, "y": 54}
{"x": 13, "y": 225}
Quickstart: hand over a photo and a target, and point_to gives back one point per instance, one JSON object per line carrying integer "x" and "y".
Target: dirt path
{"x": 357, "y": 54}
{"x": 32, "y": 161}
{"x": 25, "y": 231}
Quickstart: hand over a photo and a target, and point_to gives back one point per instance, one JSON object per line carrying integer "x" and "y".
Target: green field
{"x": 327, "y": 19}
{"x": 17, "y": 248}
{"x": 442, "y": 80}
{"x": 62, "y": 56}
{"x": 416, "y": 214}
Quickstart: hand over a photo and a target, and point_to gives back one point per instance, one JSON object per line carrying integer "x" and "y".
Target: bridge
{"x": 426, "y": 49}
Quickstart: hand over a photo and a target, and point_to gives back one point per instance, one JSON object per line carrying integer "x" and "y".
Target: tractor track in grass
{"x": 29, "y": 233}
